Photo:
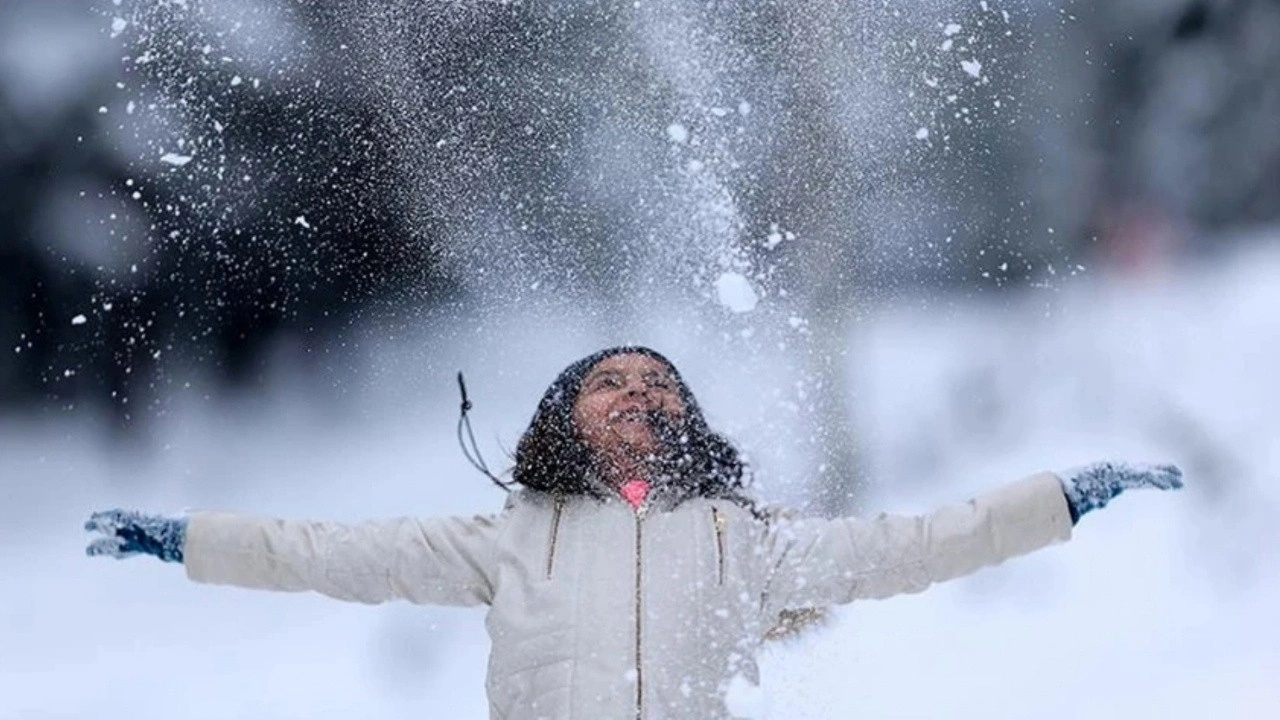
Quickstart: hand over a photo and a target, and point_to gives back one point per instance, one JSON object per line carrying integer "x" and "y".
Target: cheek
{"x": 673, "y": 404}
{"x": 589, "y": 416}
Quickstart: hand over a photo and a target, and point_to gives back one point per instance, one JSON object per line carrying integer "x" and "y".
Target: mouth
{"x": 630, "y": 415}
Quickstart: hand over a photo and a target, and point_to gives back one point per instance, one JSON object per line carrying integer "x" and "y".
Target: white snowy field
{"x": 1164, "y": 605}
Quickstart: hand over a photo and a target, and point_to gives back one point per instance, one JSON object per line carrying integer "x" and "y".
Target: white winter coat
{"x": 598, "y": 612}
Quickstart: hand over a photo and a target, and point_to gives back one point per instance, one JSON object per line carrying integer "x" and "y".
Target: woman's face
{"x": 618, "y": 395}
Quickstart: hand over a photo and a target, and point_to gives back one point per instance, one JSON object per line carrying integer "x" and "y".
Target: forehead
{"x": 630, "y": 363}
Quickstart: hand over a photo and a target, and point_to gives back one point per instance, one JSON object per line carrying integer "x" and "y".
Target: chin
{"x": 643, "y": 445}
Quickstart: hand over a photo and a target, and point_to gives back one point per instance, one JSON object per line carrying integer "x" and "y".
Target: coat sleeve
{"x": 815, "y": 563}
{"x": 442, "y": 561}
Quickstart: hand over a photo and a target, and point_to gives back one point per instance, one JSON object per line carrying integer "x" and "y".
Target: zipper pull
{"x": 718, "y": 522}
{"x": 554, "y": 534}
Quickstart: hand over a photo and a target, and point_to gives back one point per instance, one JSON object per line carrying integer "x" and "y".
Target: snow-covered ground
{"x": 1164, "y": 605}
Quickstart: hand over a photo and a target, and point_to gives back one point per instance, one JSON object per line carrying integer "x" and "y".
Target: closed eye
{"x": 659, "y": 381}
{"x": 605, "y": 380}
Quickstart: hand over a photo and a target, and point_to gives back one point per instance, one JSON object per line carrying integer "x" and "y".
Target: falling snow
{"x": 735, "y": 293}
{"x": 175, "y": 159}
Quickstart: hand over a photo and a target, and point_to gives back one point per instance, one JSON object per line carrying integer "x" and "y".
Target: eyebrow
{"x": 594, "y": 374}
{"x": 647, "y": 374}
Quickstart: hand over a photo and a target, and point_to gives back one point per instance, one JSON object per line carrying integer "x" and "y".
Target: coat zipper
{"x": 555, "y": 533}
{"x": 719, "y": 522}
{"x": 639, "y": 615}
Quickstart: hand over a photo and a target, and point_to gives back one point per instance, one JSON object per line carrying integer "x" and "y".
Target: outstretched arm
{"x": 823, "y": 562}
{"x": 446, "y": 561}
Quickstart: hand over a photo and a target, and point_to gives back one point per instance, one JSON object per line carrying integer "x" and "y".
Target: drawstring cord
{"x": 473, "y": 453}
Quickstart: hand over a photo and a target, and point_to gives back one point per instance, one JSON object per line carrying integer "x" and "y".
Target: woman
{"x": 631, "y": 576}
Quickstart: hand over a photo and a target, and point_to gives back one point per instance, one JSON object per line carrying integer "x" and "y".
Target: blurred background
{"x": 902, "y": 254}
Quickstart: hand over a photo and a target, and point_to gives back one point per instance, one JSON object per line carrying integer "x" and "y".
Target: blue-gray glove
{"x": 130, "y": 533}
{"x": 1090, "y": 487}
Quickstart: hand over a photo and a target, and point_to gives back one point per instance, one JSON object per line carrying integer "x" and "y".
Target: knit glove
{"x": 1089, "y": 487}
{"x": 130, "y": 533}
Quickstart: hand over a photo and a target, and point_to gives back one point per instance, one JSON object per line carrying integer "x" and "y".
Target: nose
{"x": 637, "y": 386}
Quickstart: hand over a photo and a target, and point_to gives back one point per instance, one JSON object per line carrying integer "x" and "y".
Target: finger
{"x": 96, "y": 522}
{"x": 110, "y": 521}
{"x": 110, "y": 547}
{"x": 1162, "y": 477}
{"x": 1135, "y": 474}
{"x": 105, "y": 521}
{"x": 1168, "y": 477}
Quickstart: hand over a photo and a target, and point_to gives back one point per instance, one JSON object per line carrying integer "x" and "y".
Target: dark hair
{"x": 552, "y": 457}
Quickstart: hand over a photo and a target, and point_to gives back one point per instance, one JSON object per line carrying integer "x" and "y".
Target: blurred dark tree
{"x": 1183, "y": 123}
{"x": 284, "y": 219}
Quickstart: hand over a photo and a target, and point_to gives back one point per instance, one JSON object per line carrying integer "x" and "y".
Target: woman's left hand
{"x": 1089, "y": 487}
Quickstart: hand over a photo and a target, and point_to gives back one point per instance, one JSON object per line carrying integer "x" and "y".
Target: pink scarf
{"x": 634, "y": 491}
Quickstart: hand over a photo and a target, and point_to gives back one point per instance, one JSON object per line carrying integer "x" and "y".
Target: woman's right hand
{"x": 128, "y": 533}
